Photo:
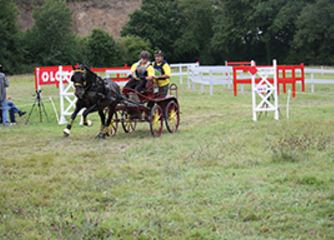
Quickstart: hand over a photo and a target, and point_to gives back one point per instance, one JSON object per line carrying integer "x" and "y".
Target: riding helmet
{"x": 145, "y": 55}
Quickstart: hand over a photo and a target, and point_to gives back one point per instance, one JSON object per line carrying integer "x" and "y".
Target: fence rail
{"x": 222, "y": 76}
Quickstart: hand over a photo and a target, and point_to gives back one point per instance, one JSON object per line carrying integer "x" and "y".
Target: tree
{"x": 158, "y": 22}
{"x": 314, "y": 38}
{"x": 276, "y": 21}
{"x": 232, "y": 36}
{"x": 259, "y": 30}
{"x": 102, "y": 50}
{"x": 131, "y": 46}
{"x": 51, "y": 41}
{"x": 196, "y": 30}
{"x": 9, "y": 34}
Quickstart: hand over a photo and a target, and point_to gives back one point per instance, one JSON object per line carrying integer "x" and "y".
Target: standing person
{"x": 141, "y": 72}
{"x": 162, "y": 73}
{"x": 4, "y": 83}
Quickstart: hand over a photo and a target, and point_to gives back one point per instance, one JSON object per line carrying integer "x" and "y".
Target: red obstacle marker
{"x": 287, "y": 74}
{"x": 291, "y": 74}
{"x": 51, "y": 75}
{"x": 239, "y": 67}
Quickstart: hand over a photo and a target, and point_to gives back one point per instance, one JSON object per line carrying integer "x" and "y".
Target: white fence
{"x": 223, "y": 76}
{"x": 181, "y": 70}
{"x": 321, "y": 76}
{"x": 196, "y": 75}
{"x": 121, "y": 73}
{"x": 210, "y": 76}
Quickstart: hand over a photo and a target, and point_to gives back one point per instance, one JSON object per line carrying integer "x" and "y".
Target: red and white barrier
{"x": 60, "y": 77}
{"x": 291, "y": 74}
{"x": 51, "y": 75}
{"x": 264, "y": 89}
{"x": 286, "y": 74}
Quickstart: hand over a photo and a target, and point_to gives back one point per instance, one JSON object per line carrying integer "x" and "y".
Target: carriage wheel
{"x": 156, "y": 121}
{"x": 129, "y": 125}
{"x": 112, "y": 129}
{"x": 172, "y": 117}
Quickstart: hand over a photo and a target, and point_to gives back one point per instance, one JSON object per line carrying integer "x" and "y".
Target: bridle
{"x": 79, "y": 84}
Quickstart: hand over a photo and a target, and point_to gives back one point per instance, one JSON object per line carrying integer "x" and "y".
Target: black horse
{"x": 94, "y": 94}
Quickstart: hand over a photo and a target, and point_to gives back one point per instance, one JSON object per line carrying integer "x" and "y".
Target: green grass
{"x": 221, "y": 177}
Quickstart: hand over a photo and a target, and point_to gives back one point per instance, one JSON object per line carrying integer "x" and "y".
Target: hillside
{"x": 110, "y": 15}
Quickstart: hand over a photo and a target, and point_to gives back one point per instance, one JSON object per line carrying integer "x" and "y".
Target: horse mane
{"x": 96, "y": 77}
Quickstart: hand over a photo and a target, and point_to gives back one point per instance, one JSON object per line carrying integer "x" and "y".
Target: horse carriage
{"x": 150, "y": 107}
{"x": 124, "y": 107}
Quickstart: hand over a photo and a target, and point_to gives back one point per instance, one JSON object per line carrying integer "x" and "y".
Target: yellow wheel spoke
{"x": 156, "y": 120}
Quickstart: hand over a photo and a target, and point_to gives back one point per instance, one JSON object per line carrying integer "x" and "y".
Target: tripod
{"x": 41, "y": 108}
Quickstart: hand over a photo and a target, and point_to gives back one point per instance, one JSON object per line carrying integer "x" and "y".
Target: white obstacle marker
{"x": 264, "y": 92}
{"x": 66, "y": 96}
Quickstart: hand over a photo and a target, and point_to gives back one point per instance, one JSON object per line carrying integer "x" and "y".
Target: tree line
{"x": 210, "y": 31}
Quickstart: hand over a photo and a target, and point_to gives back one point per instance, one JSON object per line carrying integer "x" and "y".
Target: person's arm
{"x": 133, "y": 70}
{"x": 150, "y": 73}
{"x": 6, "y": 82}
{"x": 167, "y": 70}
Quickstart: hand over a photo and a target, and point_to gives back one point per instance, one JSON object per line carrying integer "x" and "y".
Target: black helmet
{"x": 1, "y": 68}
{"x": 158, "y": 53}
{"x": 145, "y": 55}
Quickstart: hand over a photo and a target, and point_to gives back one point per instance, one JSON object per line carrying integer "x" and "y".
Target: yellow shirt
{"x": 167, "y": 71}
{"x": 149, "y": 68}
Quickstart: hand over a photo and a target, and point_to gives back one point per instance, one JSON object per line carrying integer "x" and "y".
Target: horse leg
{"x": 67, "y": 130}
{"x": 103, "y": 121}
{"x": 111, "y": 112}
{"x": 89, "y": 110}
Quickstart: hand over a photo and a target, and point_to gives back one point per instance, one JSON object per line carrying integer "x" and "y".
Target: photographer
{"x": 4, "y": 83}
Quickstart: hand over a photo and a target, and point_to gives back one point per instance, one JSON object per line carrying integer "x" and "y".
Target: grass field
{"x": 221, "y": 176}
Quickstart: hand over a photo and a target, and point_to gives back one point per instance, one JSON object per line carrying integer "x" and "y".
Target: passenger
{"x": 162, "y": 73}
{"x": 141, "y": 72}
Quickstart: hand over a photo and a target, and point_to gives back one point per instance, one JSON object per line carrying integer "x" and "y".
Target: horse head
{"x": 79, "y": 81}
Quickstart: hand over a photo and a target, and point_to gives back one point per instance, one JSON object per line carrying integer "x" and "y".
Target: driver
{"x": 141, "y": 72}
{"x": 162, "y": 72}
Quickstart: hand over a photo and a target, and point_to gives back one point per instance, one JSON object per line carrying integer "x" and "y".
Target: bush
{"x": 9, "y": 45}
{"x": 131, "y": 46}
{"x": 102, "y": 50}
{"x": 51, "y": 41}
{"x": 294, "y": 148}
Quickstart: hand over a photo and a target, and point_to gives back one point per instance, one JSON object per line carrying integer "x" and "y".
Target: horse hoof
{"x": 89, "y": 123}
{"x": 101, "y": 136}
{"x": 67, "y": 132}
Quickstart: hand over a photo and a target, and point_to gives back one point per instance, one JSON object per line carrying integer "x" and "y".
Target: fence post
{"x": 322, "y": 70}
{"x": 62, "y": 119}
{"x": 275, "y": 93}
{"x": 303, "y": 77}
{"x": 188, "y": 77}
{"x": 211, "y": 83}
{"x": 288, "y": 105}
{"x": 211, "y": 88}
{"x": 235, "y": 87}
{"x": 181, "y": 74}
